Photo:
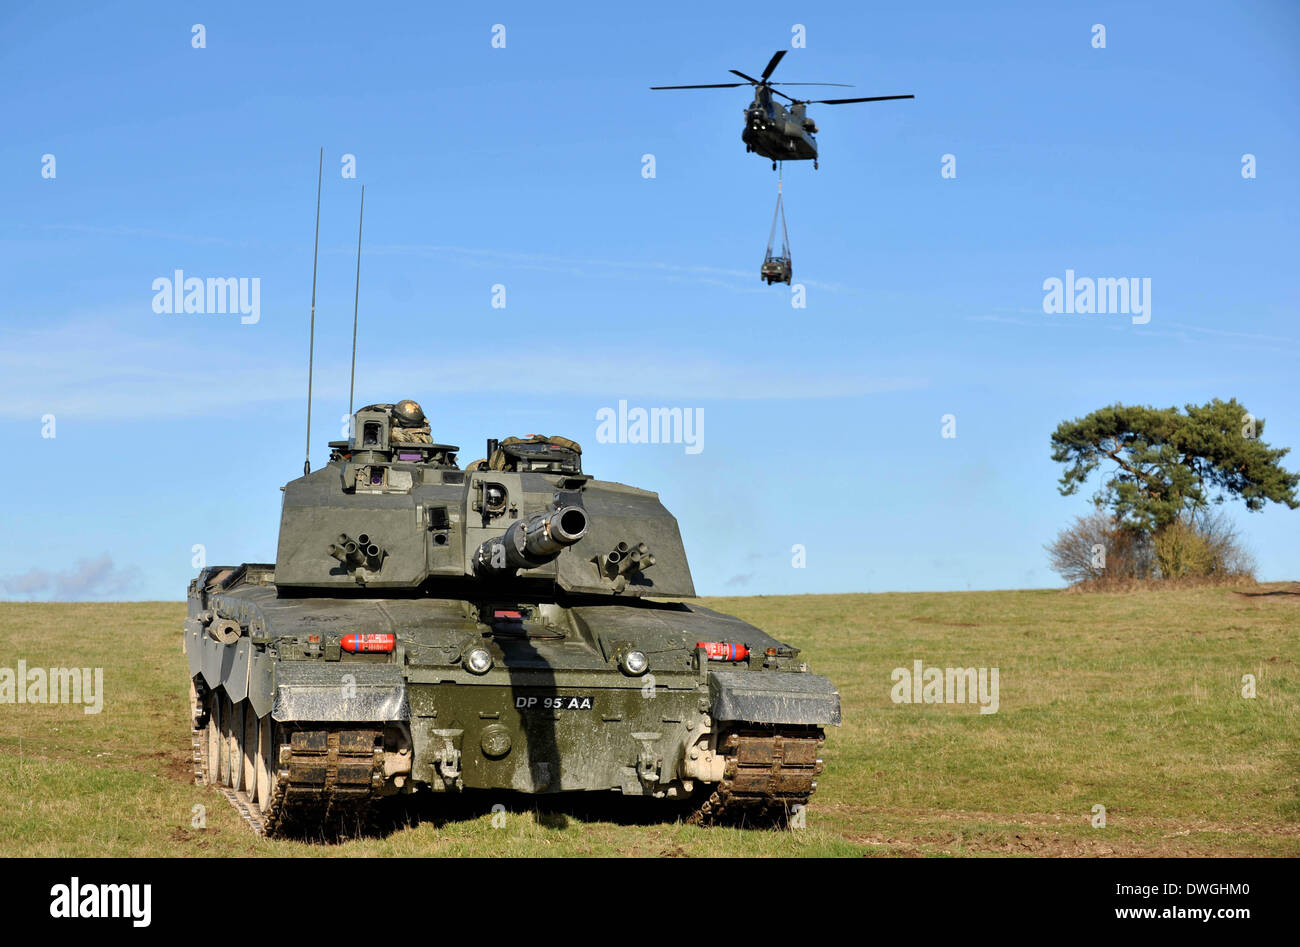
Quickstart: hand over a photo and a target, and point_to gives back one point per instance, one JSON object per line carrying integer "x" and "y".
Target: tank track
{"x": 326, "y": 777}
{"x": 768, "y": 771}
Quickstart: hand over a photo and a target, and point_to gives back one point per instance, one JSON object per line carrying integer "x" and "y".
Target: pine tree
{"x": 1172, "y": 464}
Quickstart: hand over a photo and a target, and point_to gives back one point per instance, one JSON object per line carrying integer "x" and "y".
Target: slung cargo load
{"x": 777, "y": 267}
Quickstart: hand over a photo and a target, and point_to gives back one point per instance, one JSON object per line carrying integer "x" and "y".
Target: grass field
{"x": 1131, "y": 701}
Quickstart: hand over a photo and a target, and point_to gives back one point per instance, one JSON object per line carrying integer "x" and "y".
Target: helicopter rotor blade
{"x": 749, "y": 79}
{"x": 788, "y": 98}
{"x": 870, "y": 98}
{"x": 772, "y": 63}
{"x": 712, "y": 85}
{"x": 846, "y": 85}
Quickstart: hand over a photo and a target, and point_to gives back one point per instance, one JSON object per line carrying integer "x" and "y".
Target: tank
{"x": 514, "y": 626}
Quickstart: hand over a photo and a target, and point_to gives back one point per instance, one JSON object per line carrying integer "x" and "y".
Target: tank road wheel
{"x": 223, "y": 740}
{"x": 235, "y": 778}
{"x": 212, "y": 733}
{"x": 265, "y": 764}
{"x": 249, "y": 747}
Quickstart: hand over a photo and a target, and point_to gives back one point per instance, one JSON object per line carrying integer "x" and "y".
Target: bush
{"x": 1099, "y": 552}
{"x": 1097, "y": 547}
{"x": 1182, "y": 551}
{"x": 1227, "y": 552}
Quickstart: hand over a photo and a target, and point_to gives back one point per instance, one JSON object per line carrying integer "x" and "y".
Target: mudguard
{"x": 759, "y": 697}
{"x": 341, "y": 693}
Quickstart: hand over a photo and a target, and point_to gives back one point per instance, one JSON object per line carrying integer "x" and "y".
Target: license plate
{"x": 554, "y": 703}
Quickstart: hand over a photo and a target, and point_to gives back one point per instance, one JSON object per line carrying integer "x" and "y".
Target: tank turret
{"x": 393, "y": 510}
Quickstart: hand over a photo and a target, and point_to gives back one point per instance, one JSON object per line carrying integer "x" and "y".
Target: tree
{"x": 1170, "y": 465}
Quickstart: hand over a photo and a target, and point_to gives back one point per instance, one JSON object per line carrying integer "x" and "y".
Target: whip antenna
{"x": 311, "y": 339}
{"x": 352, "y": 382}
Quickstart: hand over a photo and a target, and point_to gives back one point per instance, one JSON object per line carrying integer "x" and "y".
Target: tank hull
{"x": 299, "y": 732}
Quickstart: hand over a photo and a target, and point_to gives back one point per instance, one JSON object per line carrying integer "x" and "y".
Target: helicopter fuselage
{"x": 778, "y": 133}
{"x": 773, "y": 130}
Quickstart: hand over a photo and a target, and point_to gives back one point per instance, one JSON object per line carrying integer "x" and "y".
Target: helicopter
{"x": 771, "y": 129}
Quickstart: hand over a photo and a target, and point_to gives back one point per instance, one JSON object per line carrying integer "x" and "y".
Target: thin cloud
{"x": 738, "y": 280}
{"x": 574, "y": 265}
{"x": 86, "y": 371}
{"x": 1247, "y": 341}
{"x": 88, "y": 579}
{"x": 146, "y": 234}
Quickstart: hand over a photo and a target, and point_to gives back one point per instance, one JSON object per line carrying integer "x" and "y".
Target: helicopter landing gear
{"x": 773, "y": 165}
{"x": 814, "y": 164}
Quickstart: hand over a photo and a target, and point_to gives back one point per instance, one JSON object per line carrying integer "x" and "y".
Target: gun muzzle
{"x": 533, "y": 542}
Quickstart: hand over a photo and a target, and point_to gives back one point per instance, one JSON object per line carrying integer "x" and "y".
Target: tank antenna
{"x": 311, "y": 339}
{"x": 355, "y": 299}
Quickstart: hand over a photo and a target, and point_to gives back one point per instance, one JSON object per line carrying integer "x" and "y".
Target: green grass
{"x": 1128, "y": 700}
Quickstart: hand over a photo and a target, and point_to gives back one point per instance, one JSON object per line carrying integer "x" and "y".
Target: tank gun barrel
{"x": 531, "y": 542}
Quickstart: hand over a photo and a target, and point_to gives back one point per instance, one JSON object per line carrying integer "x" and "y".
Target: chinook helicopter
{"x": 771, "y": 129}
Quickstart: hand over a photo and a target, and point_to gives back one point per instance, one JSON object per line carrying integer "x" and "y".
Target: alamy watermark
{"x": 103, "y": 900}
{"x": 181, "y": 294}
{"x": 933, "y": 685}
{"x": 651, "y": 426}
{"x": 53, "y": 686}
{"x": 1104, "y": 295}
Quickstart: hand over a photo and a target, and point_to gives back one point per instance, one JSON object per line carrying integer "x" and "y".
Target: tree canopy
{"x": 1170, "y": 462}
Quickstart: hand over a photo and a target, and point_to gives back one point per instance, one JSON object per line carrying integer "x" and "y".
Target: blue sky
{"x": 522, "y": 166}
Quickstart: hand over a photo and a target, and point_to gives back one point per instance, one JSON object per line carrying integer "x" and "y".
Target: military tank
{"x": 517, "y": 625}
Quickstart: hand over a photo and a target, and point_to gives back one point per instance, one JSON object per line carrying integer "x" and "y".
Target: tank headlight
{"x": 634, "y": 662}
{"x": 478, "y": 660}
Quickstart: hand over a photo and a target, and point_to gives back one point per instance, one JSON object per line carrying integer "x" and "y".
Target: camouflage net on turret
{"x": 500, "y": 460}
{"x": 410, "y": 435}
